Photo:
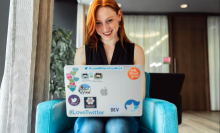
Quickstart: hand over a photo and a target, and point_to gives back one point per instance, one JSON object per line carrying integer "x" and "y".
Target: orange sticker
{"x": 134, "y": 73}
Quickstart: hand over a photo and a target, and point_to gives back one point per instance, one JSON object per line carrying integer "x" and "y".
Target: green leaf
{"x": 58, "y": 93}
{"x": 57, "y": 35}
{"x": 65, "y": 33}
{"x": 52, "y": 67}
{"x": 56, "y": 57}
{"x": 51, "y": 87}
{"x": 64, "y": 39}
{"x": 60, "y": 88}
{"x": 63, "y": 93}
{"x": 70, "y": 42}
{"x": 53, "y": 42}
{"x": 51, "y": 55}
{"x": 70, "y": 33}
{"x": 61, "y": 54}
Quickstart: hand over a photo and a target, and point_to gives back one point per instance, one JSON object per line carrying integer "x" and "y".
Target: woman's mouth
{"x": 108, "y": 34}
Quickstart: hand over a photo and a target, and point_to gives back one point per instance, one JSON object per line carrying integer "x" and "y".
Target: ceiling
{"x": 166, "y": 6}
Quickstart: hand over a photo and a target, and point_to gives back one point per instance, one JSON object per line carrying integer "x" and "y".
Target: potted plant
{"x": 62, "y": 53}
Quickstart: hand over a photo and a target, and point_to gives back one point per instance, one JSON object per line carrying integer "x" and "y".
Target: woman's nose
{"x": 105, "y": 28}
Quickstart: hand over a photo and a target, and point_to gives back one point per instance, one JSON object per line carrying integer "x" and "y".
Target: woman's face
{"x": 107, "y": 23}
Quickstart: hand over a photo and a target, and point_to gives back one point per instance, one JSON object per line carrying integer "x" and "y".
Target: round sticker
{"x": 134, "y": 73}
{"x": 73, "y": 100}
{"x": 84, "y": 89}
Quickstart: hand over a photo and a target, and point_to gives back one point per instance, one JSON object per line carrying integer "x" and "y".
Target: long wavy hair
{"x": 92, "y": 37}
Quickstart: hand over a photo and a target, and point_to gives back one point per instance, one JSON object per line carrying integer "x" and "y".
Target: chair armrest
{"x": 159, "y": 116}
{"x": 51, "y": 117}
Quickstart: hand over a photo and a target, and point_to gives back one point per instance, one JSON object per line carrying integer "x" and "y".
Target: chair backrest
{"x": 147, "y": 85}
{"x": 162, "y": 84}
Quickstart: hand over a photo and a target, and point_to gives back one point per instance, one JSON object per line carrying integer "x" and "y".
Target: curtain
{"x": 214, "y": 57}
{"x": 80, "y": 31}
{"x": 17, "y": 83}
{"x": 25, "y": 81}
{"x": 151, "y": 33}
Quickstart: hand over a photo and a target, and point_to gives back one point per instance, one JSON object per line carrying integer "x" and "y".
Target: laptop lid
{"x": 104, "y": 90}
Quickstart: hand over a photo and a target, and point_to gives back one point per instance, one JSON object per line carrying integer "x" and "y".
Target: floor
{"x": 200, "y": 122}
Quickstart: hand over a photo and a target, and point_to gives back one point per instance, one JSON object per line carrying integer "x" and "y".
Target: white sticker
{"x": 114, "y": 109}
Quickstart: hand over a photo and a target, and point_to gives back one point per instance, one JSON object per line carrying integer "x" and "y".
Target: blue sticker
{"x": 72, "y": 88}
{"x": 76, "y": 79}
{"x": 132, "y": 102}
{"x": 75, "y": 69}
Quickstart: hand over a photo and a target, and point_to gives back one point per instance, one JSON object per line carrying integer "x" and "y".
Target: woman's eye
{"x": 98, "y": 23}
{"x": 110, "y": 20}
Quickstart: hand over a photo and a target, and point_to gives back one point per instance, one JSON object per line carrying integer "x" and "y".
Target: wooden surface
{"x": 188, "y": 44}
{"x": 200, "y": 122}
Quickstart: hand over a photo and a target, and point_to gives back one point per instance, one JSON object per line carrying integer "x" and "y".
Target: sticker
{"x": 72, "y": 80}
{"x": 73, "y": 73}
{"x": 74, "y": 100}
{"x": 134, "y": 73}
{"x": 104, "y": 92}
{"x": 114, "y": 109}
{"x": 90, "y": 102}
{"x": 86, "y": 112}
{"x": 98, "y": 76}
{"x": 76, "y": 79}
{"x": 132, "y": 105}
{"x": 68, "y": 76}
{"x": 104, "y": 68}
{"x": 85, "y": 76}
{"x": 84, "y": 89}
{"x": 90, "y": 75}
{"x": 75, "y": 69}
{"x": 72, "y": 88}
{"x": 72, "y": 83}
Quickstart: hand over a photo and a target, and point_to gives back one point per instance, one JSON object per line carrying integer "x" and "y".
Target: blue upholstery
{"x": 147, "y": 85}
{"x": 159, "y": 116}
{"x": 51, "y": 117}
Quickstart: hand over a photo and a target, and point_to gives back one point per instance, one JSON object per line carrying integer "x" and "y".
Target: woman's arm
{"x": 80, "y": 56}
{"x": 139, "y": 59}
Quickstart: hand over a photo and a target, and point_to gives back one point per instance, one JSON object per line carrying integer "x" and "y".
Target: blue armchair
{"x": 159, "y": 116}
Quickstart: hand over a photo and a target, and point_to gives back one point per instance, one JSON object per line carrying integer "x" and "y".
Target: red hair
{"x": 92, "y": 37}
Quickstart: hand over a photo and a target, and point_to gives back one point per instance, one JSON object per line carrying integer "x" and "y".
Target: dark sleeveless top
{"x": 119, "y": 57}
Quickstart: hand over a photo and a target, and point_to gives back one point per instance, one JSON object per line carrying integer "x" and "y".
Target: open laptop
{"x": 103, "y": 90}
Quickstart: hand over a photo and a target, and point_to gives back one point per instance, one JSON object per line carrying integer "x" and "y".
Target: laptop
{"x": 103, "y": 90}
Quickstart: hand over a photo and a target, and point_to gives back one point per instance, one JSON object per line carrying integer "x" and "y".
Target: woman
{"x": 107, "y": 44}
